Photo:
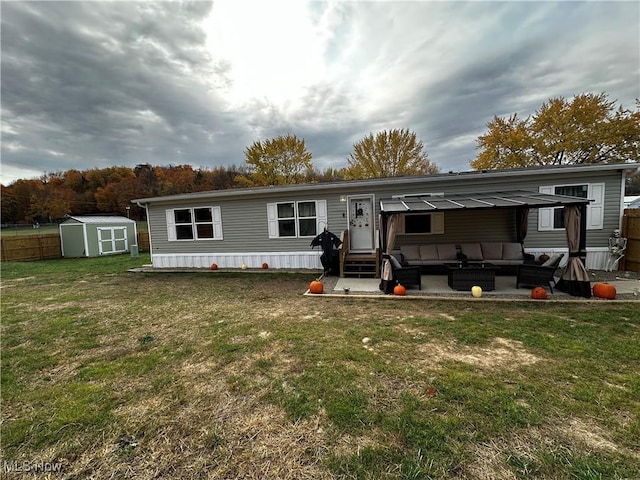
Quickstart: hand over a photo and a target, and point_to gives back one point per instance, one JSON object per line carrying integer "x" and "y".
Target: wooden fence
{"x": 41, "y": 247}
{"x": 143, "y": 241}
{"x": 30, "y": 247}
{"x": 631, "y": 231}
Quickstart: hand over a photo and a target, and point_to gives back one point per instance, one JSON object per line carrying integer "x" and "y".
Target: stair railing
{"x": 344, "y": 249}
{"x": 377, "y": 253}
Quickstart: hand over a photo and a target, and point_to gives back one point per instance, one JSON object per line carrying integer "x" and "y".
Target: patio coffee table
{"x": 465, "y": 276}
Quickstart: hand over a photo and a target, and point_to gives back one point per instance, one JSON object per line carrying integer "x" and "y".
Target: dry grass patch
{"x": 589, "y": 434}
{"x": 524, "y": 454}
{"x": 501, "y": 353}
{"x": 489, "y": 463}
{"x": 218, "y": 433}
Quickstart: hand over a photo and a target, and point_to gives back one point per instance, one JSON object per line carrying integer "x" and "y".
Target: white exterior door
{"x": 112, "y": 240}
{"x": 361, "y": 223}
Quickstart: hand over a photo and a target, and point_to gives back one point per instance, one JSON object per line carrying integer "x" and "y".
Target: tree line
{"x": 279, "y": 161}
{"x": 586, "y": 129}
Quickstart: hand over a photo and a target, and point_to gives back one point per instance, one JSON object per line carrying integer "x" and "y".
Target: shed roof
{"x": 509, "y": 199}
{"x": 99, "y": 219}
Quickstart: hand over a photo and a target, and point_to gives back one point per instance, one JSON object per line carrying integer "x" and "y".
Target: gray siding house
{"x": 277, "y": 224}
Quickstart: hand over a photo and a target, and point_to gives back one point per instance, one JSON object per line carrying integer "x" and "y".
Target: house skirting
{"x": 596, "y": 259}
{"x": 277, "y": 260}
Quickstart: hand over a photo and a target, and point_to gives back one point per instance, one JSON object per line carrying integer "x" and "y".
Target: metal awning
{"x": 483, "y": 200}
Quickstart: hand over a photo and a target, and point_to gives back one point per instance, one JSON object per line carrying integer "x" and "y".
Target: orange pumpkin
{"x": 214, "y": 266}
{"x": 316, "y": 287}
{"x": 265, "y": 266}
{"x": 538, "y": 293}
{"x": 399, "y": 290}
{"x": 604, "y": 290}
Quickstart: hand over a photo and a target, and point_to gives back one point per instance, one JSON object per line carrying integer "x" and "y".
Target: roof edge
{"x": 514, "y": 172}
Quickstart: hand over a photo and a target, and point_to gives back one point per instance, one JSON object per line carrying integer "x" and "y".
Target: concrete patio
{"x": 436, "y": 286}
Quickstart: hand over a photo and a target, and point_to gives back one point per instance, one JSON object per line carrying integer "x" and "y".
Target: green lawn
{"x": 111, "y": 374}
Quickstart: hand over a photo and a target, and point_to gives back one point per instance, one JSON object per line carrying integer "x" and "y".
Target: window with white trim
{"x": 421, "y": 223}
{"x": 296, "y": 219}
{"x": 194, "y": 223}
{"x": 552, "y": 218}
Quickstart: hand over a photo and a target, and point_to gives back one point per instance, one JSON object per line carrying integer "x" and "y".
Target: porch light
{"x": 343, "y": 198}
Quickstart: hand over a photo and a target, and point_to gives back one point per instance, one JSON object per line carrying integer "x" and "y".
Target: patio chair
{"x": 538, "y": 275}
{"x": 405, "y": 276}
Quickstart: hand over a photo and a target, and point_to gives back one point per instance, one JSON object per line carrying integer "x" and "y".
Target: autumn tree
{"x": 9, "y": 210}
{"x": 21, "y": 193}
{"x": 587, "y": 129}
{"x": 175, "y": 179}
{"x": 51, "y": 199}
{"x": 331, "y": 174}
{"x": 111, "y": 189}
{"x": 279, "y": 161}
{"x": 115, "y": 197}
{"x": 82, "y": 199}
{"x": 391, "y": 153}
{"x": 146, "y": 180}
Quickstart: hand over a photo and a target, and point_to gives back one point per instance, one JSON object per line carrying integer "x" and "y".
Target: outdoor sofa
{"x": 433, "y": 257}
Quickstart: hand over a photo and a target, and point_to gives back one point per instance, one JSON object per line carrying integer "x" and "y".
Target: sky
{"x": 97, "y": 84}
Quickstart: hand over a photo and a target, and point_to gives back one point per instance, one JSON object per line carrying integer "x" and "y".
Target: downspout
{"x": 135, "y": 234}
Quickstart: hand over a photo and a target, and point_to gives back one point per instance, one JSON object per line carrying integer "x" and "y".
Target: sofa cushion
{"x": 410, "y": 252}
{"x": 552, "y": 259}
{"x": 447, "y": 251}
{"x": 472, "y": 251}
{"x": 512, "y": 251}
{"x": 428, "y": 252}
{"x": 491, "y": 250}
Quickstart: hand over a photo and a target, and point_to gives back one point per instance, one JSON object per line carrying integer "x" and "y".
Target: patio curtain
{"x": 575, "y": 279}
{"x": 522, "y": 222}
{"x": 387, "y": 283}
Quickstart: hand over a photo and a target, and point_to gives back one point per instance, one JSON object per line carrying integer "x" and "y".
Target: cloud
{"x": 109, "y": 85}
{"x": 93, "y": 84}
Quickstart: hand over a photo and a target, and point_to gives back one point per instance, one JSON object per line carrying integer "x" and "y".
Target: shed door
{"x": 112, "y": 240}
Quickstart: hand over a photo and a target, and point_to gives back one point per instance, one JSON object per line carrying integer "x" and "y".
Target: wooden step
{"x": 361, "y": 257}
{"x": 360, "y": 265}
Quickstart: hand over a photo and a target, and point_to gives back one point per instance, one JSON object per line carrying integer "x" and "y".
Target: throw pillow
{"x": 447, "y": 251}
{"x": 512, "y": 251}
{"x": 552, "y": 259}
{"x": 428, "y": 252}
{"x": 492, "y": 250}
{"x": 394, "y": 261}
